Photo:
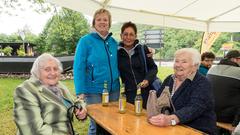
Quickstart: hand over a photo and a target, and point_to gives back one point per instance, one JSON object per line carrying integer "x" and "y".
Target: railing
{"x": 15, "y": 64}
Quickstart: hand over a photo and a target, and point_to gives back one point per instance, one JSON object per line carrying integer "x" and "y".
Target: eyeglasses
{"x": 129, "y": 34}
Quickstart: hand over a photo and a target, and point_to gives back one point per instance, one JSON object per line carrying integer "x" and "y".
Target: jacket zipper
{"x": 135, "y": 80}
{"x": 92, "y": 73}
{"x": 130, "y": 60}
{"x": 109, "y": 63}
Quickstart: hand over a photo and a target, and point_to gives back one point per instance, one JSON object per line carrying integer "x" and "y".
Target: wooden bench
{"x": 227, "y": 126}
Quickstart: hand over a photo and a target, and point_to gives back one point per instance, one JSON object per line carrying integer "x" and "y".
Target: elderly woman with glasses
{"x": 41, "y": 103}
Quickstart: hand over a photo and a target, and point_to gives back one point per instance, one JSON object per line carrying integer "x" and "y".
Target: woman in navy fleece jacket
{"x": 190, "y": 93}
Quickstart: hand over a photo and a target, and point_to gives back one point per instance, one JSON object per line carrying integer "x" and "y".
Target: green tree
{"x": 62, "y": 32}
{"x": 9, "y": 38}
{"x": 223, "y": 38}
{"x": 15, "y": 38}
{"x": 3, "y": 38}
{"x": 175, "y": 39}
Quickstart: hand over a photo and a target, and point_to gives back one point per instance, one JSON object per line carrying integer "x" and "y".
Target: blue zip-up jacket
{"x": 95, "y": 61}
{"x": 203, "y": 70}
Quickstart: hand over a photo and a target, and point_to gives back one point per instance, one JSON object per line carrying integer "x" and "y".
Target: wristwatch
{"x": 173, "y": 122}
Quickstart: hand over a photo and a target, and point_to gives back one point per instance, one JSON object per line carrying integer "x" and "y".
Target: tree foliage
{"x": 62, "y": 32}
{"x": 9, "y": 7}
{"x": 175, "y": 39}
{"x": 15, "y": 38}
{"x": 223, "y": 38}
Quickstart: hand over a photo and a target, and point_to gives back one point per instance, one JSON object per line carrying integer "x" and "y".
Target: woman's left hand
{"x": 81, "y": 114}
{"x": 144, "y": 84}
{"x": 163, "y": 120}
{"x": 152, "y": 52}
{"x": 160, "y": 120}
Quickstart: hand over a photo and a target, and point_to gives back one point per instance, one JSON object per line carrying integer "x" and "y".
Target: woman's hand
{"x": 144, "y": 84}
{"x": 81, "y": 97}
{"x": 160, "y": 120}
{"x": 163, "y": 120}
{"x": 152, "y": 52}
{"x": 81, "y": 114}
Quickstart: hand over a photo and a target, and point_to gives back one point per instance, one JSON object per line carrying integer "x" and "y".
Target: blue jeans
{"x": 97, "y": 98}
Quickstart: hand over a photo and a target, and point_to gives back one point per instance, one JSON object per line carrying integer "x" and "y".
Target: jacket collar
{"x": 99, "y": 36}
{"x": 134, "y": 44}
{"x": 190, "y": 77}
{"x": 202, "y": 66}
{"x": 121, "y": 45}
{"x": 47, "y": 94}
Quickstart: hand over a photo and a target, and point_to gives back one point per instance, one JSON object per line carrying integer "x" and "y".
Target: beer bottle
{"x": 122, "y": 100}
{"x": 105, "y": 95}
{"x": 138, "y": 101}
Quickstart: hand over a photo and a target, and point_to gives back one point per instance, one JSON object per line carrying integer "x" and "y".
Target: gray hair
{"x": 40, "y": 61}
{"x": 195, "y": 55}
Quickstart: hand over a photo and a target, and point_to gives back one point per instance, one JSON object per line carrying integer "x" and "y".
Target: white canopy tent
{"x": 200, "y": 15}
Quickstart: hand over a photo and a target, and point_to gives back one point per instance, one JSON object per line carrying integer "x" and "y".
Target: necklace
{"x": 174, "y": 87}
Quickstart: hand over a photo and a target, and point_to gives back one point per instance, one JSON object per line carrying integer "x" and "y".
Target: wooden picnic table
{"x": 129, "y": 124}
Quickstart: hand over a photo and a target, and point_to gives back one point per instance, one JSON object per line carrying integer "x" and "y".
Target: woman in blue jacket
{"x": 96, "y": 62}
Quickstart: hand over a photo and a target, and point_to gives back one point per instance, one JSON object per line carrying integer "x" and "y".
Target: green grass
{"x": 7, "y": 87}
{"x": 163, "y": 72}
{"x": 7, "y": 125}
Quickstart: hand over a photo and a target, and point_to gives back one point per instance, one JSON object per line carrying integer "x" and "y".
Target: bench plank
{"x": 227, "y": 126}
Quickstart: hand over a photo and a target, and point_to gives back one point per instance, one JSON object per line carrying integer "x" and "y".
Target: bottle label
{"x": 138, "y": 107}
{"x": 122, "y": 104}
{"x": 105, "y": 98}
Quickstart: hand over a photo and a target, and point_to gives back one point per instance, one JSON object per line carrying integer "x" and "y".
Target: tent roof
{"x": 200, "y": 15}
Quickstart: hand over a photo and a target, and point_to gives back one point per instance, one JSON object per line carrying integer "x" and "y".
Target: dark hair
{"x": 233, "y": 54}
{"x": 207, "y": 55}
{"x": 129, "y": 24}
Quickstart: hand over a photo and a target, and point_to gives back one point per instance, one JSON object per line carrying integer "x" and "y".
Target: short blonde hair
{"x": 40, "y": 61}
{"x": 196, "y": 56}
{"x": 101, "y": 11}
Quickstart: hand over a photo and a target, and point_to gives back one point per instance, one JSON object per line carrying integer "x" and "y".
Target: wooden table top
{"x": 130, "y": 124}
